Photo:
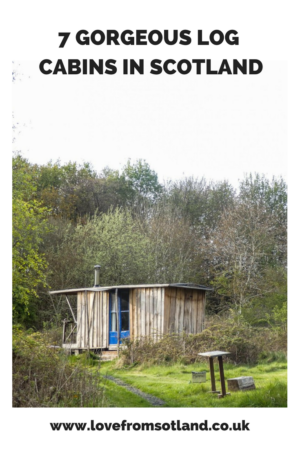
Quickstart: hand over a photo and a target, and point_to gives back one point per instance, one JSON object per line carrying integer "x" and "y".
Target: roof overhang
{"x": 131, "y": 286}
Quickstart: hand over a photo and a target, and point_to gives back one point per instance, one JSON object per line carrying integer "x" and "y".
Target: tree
{"x": 29, "y": 226}
{"x": 200, "y": 202}
{"x": 114, "y": 240}
{"x": 243, "y": 247}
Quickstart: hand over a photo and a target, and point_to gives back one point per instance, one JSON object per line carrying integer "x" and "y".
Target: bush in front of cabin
{"x": 245, "y": 343}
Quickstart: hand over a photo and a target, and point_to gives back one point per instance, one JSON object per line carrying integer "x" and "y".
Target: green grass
{"x": 172, "y": 384}
{"x": 117, "y": 396}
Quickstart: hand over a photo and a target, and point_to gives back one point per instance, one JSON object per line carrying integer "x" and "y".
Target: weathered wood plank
{"x": 162, "y": 294}
{"x": 203, "y": 311}
{"x": 100, "y": 320}
{"x": 143, "y": 313}
{"x": 106, "y": 316}
{"x": 173, "y": 294}
{"x": 147, "y": 312}
{"x": 78, "y": 319}
{"x": 194, "y": 309}
{"x": 180, "y": 301}
{"x": 176, "y": 316}
{"x": 135, "y": 313}
{"x": 131, "y": 314}
{"x": 160, "y": 312}
{"x": 167, "y": 305}
{"x": 138, "y": 306}
{"x": 151, "y": 313}
{"x": 155, "y": 315}
{"x": 187, "y": 312}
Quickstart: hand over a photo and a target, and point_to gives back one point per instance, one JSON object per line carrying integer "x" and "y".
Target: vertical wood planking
{"x": 135, "y": 313}
{"x": 194, "y": 310}
{"x": 100, "y": 320}
{"x": 151, "y": 313}
{"x": 147, "y": 312}
{"x": 166, "y": 321}
{"x": 131, "y": 313}
{"x": 200, "y": 301}
{"x": 160, "y": 311}
{"x": 155, "y": 315}
{"x": 91, "y": 306}
{"x": 180, "y": 303}
{"x": 173, "y": 294}
{"x": 203, "y": 310}
{"x": 138, "y": 306}
{"x": 78, "y": 319}
{"x": 143, "y": 312}
{"x": 177, "y": 308}
{"x": 96, "y": 320}
{"x": 187, "y": 311}
{"x": 106, "y": 318}
{"x": 162, "y": 295}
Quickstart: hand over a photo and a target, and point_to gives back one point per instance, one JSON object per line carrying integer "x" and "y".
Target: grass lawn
{"x": 172, "y": 384}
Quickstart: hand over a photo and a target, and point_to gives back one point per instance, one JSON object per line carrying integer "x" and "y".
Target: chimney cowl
{"x": 97, "y": 275}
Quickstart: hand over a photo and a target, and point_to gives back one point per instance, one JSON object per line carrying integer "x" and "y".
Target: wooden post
{"x": 118, "y": 324}
{"x": 212, "y": 376}
{"x": 222, "y": 378}
{"x": 73, "y": 315}
{"x": 64, "y": 331}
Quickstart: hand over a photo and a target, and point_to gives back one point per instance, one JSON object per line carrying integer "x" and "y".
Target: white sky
{"x": 213, "y": 126}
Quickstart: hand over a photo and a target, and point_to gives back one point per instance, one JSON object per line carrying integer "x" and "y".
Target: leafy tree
{"x": 114, "y": 240}
{"x": 29, "y": 227}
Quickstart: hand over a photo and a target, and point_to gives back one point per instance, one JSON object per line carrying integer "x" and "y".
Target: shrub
{"x": 43, "y": 376}
{"x": 244, "y": 342}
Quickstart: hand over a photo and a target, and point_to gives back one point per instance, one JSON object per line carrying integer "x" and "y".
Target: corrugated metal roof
{"x": 132, "y": 286}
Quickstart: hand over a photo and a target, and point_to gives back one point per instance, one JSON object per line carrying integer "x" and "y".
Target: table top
{"x": 214, "y": 353}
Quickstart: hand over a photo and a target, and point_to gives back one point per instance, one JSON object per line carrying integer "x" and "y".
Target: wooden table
{"x": 211, "y": 356}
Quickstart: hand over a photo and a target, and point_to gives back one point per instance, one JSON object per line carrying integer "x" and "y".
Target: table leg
{"x": 222, "y": 378}
{"x": 212, "y": 376}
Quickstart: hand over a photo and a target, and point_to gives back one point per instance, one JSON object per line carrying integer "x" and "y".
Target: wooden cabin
{"x": 106, "y": 315}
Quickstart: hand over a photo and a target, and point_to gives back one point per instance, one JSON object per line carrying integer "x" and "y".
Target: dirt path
{"x": 154, "y": 401}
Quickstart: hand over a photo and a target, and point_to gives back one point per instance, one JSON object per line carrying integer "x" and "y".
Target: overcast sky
{"x": 220, "y": 127}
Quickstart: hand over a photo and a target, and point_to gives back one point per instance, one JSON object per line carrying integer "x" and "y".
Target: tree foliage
{"x": 68, "y": 217}
{"x": 29, "y": 228}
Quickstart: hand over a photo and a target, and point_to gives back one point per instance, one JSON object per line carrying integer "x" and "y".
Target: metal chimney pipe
{"x": 97, "y": 275}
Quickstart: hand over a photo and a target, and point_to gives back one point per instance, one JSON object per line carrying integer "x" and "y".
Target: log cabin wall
{"x": 146, "y": 312}
{"x": 92, "y": 319}
{"x": 152, "y": 313}
{"x": 184, "y": 310}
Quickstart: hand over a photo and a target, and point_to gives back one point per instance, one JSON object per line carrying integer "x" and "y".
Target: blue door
{"x": 118, "y": 309}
